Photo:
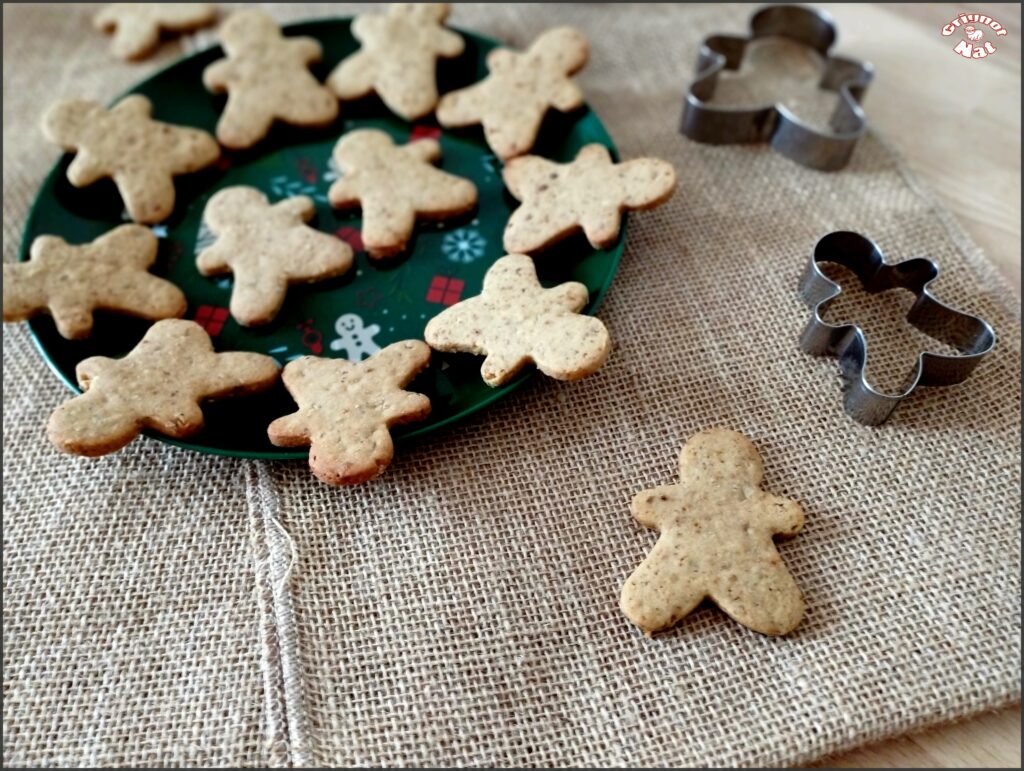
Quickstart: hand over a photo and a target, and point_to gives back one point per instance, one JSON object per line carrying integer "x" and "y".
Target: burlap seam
{"x": 273, "y": 556}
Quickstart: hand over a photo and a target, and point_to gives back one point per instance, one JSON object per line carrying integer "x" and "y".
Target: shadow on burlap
{"x": 463, "y": 608}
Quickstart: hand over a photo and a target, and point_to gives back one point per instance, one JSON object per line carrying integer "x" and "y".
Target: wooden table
{"x": 957, "y": 124}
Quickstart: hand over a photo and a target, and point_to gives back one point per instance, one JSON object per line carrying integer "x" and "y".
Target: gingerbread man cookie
{"x": 346, "y": 409}
{"x": 395, "y": 185}
{"x": 515, "y": 321}
{"x": 511, "y": 102}
{"x": 267, "y": 79}
{"x": 590, "y": 193}
{"x": 267, "y": 248}
{"x": 70, "y": 282}
{"x": 124, "y": 143}
{"x": 137, "y": 26}
{"x": 158, "y": 385}
{"x": 716, "y": 529}
{"x": 399, "y": 57}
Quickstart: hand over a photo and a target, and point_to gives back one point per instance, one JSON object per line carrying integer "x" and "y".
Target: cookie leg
{"x": 257, "y": 297}
{"x": 659, "y": 593}
{"x": 73, "y": 321}
{"x": 243, "y": 123}
{"x": 358, "y": 460}
{"x": 764, "y": 597}
{"x": 387, "y": 227}
{"x": 90, "y": 425}
{"x": 148, "y": 195}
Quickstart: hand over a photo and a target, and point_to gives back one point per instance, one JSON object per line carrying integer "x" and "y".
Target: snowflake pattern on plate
{"x": 283, "y": 186}
{"x": 464, "y": 245}
{"x": 333, "y": 173}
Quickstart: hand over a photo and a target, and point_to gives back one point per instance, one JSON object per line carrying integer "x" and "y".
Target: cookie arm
{"x": 650, "y": 507}
{"x": 446, "y": 43}
{"x": 783, "y": 516}
{"x": 306, "y": 49}
{"x": 423, "y": 150}
{"x": 289, "y": 431}
{"x": 566, "y": 96}
{"x": 214, "y": 259}
{"x": 462, "y": 107}
{"x": 299, "y": 207}
{"x": 84, "y": 170}
{"x": 353, "y": 77}
{"x": 217, "y": 76}
{"x": 238, "y": 373}
{"x": 152, "y": 298}
{"x": 646, "y": 182}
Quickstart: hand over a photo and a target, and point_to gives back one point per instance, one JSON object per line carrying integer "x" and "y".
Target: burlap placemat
{"x": 166, "y": 607}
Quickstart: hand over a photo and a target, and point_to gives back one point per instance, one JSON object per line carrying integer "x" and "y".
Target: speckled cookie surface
{"x": 522, "y": 86}
{"x": 140, "y": 154}
{"x": 590, "y": 193}
{"x": 70, "y": 282}
{"x": 267, "y": 79}
{"x": 716, "y": 528}
{"x": 515, "y": 321}
{"x": 267, "y": 248}
{"x": 398, "y": 58}
{"x": 137, "y": 26}
{"x": 158, "y": 385}
{"x": 346, "y": 409}
{"x": 395, "y": 185}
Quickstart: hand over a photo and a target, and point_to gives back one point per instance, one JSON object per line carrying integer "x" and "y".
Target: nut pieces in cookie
{"x": 267, "y": 247}
{"x": 109, "y": 274}
{"x": 515, "y": 321}
{"x": 124, "y": 143}
{"x": 716, "y": 528}
{"x": 158, "y": 385}
{"x": 346, "y": 409}
{"x": 589, "y": 194}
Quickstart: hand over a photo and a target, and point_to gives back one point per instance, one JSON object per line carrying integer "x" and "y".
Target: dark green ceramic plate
{"x": 349, "y": 317}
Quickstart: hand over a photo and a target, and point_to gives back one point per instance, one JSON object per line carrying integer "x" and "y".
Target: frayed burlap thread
{"x": 463, "y": 608}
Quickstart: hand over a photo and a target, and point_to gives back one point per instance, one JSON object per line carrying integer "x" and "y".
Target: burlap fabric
{"x": 166, "y": 607}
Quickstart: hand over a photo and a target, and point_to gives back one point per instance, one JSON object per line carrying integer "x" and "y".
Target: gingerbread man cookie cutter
{"x": 774, "y": 123}
{"x": 971, "y": 336}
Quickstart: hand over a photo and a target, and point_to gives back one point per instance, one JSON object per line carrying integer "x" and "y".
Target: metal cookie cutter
{"x": 971, "y": 336}
{"x": 774, "y": 123}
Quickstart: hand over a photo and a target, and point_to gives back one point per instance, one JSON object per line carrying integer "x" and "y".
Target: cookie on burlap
{"x": 398, "y": 58}
{"x": 590, "y": 193}
{"x": 512, "y": 100}
{"x": 267, "y": 248}
{"x": 109, "y": 274}
{"x": 158, "y": 385}
{"x": 124, "y": 143}
{"x": 267, "y": 79}
{"x": 515, "y": 321}
{"x": 716, "y": 543}
{"x": 346, "y": 409}
{"x": 395, "y": 185}
{"x": 137, "y": 26}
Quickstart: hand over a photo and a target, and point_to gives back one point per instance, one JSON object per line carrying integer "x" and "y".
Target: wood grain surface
{"x": 957, "y": 124}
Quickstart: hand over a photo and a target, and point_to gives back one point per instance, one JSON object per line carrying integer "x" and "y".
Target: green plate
{"x": 348, "y": 317}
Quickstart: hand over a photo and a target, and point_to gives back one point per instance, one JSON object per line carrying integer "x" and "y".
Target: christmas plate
{"x": 352, "y": 316}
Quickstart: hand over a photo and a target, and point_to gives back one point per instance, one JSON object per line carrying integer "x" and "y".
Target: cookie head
{"x": 359, "y": 144}
{"x": 247, "y": 29}
{"x": 67, "y": 122}
{"x": 232, "y": 206}
{"x": 425, "y": 12}
{"x": 726, "y": 460}
{"x": 563, "y": 49}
